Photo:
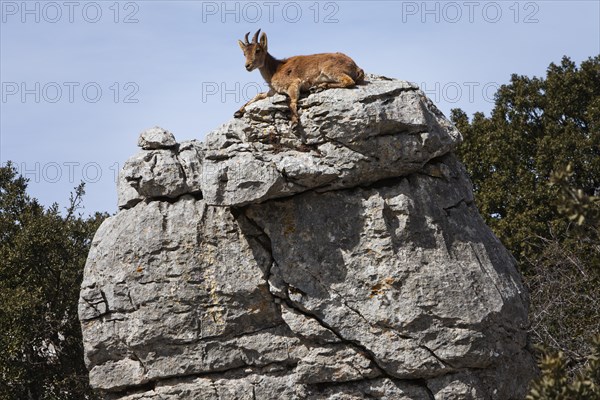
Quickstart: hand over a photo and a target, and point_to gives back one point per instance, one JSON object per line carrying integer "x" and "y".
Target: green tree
{"x": 537, "y": 126}
{"x": 42, "y": 254}
{"x": 535, "y": 167}
{"x": 553, "y": 384}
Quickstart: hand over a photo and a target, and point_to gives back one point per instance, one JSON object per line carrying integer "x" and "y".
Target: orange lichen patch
{"x": 288, "y": 230}
{"x": 289, "y": 225}
{"x": 139, "y": 268}
{"x": 381, "y": 287}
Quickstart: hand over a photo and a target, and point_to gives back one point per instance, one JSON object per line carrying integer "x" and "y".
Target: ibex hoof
{"x": 238, "y": 114}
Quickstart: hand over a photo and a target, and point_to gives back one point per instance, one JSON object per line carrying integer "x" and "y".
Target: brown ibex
{"x": 297, "y": 74}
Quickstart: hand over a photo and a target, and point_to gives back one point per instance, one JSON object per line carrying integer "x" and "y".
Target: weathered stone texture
{"x": 343, "y": 261}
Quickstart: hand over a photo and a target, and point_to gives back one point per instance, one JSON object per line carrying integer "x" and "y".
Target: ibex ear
{"x": 242, "y": 45}
{"x": 263, "y": 41}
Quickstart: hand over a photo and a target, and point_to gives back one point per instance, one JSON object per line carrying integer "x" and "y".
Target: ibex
{"x": 297, "y": 74}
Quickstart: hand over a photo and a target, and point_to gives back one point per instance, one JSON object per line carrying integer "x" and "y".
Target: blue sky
{"x": 81, "y": 79}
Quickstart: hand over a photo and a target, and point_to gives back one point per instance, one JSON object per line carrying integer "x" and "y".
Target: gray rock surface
{"x": 156, "y": 138}
{"x": 161, "y": 173}
{"x": 343, "y": 261}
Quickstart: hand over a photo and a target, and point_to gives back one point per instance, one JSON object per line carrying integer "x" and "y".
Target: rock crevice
{"x": 344, "y": 260}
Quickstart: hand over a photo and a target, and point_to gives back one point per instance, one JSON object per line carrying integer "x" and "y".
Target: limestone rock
{"x": 156, "y": 138}
{"x": 161, "y": 173}
{"x": 348, "y": 137}
{"x": 346, "y": 260}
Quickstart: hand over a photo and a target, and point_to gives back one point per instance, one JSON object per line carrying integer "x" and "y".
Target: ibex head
{"x": 255, "y": 52}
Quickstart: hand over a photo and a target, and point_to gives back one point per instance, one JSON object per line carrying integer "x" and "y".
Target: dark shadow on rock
{"x": 445, "y": 206}
{"x": 308, "y": 234}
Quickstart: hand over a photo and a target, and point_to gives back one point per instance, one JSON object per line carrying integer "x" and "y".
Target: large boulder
{"x": 343, "y": 260}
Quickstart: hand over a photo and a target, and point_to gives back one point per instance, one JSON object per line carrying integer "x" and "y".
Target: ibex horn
{"x": 246, "y": 38}
{"x": 255, "y": 37}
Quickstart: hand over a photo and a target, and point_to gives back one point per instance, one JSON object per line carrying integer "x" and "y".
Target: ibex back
{"x": 294, "y": 75}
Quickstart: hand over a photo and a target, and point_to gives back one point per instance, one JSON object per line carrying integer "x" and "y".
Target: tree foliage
{"x": 554, "y": 383}
{"x": 535, "y": 167}
{"x": 42, "y": 254}
{"x": 537, "y": 126}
